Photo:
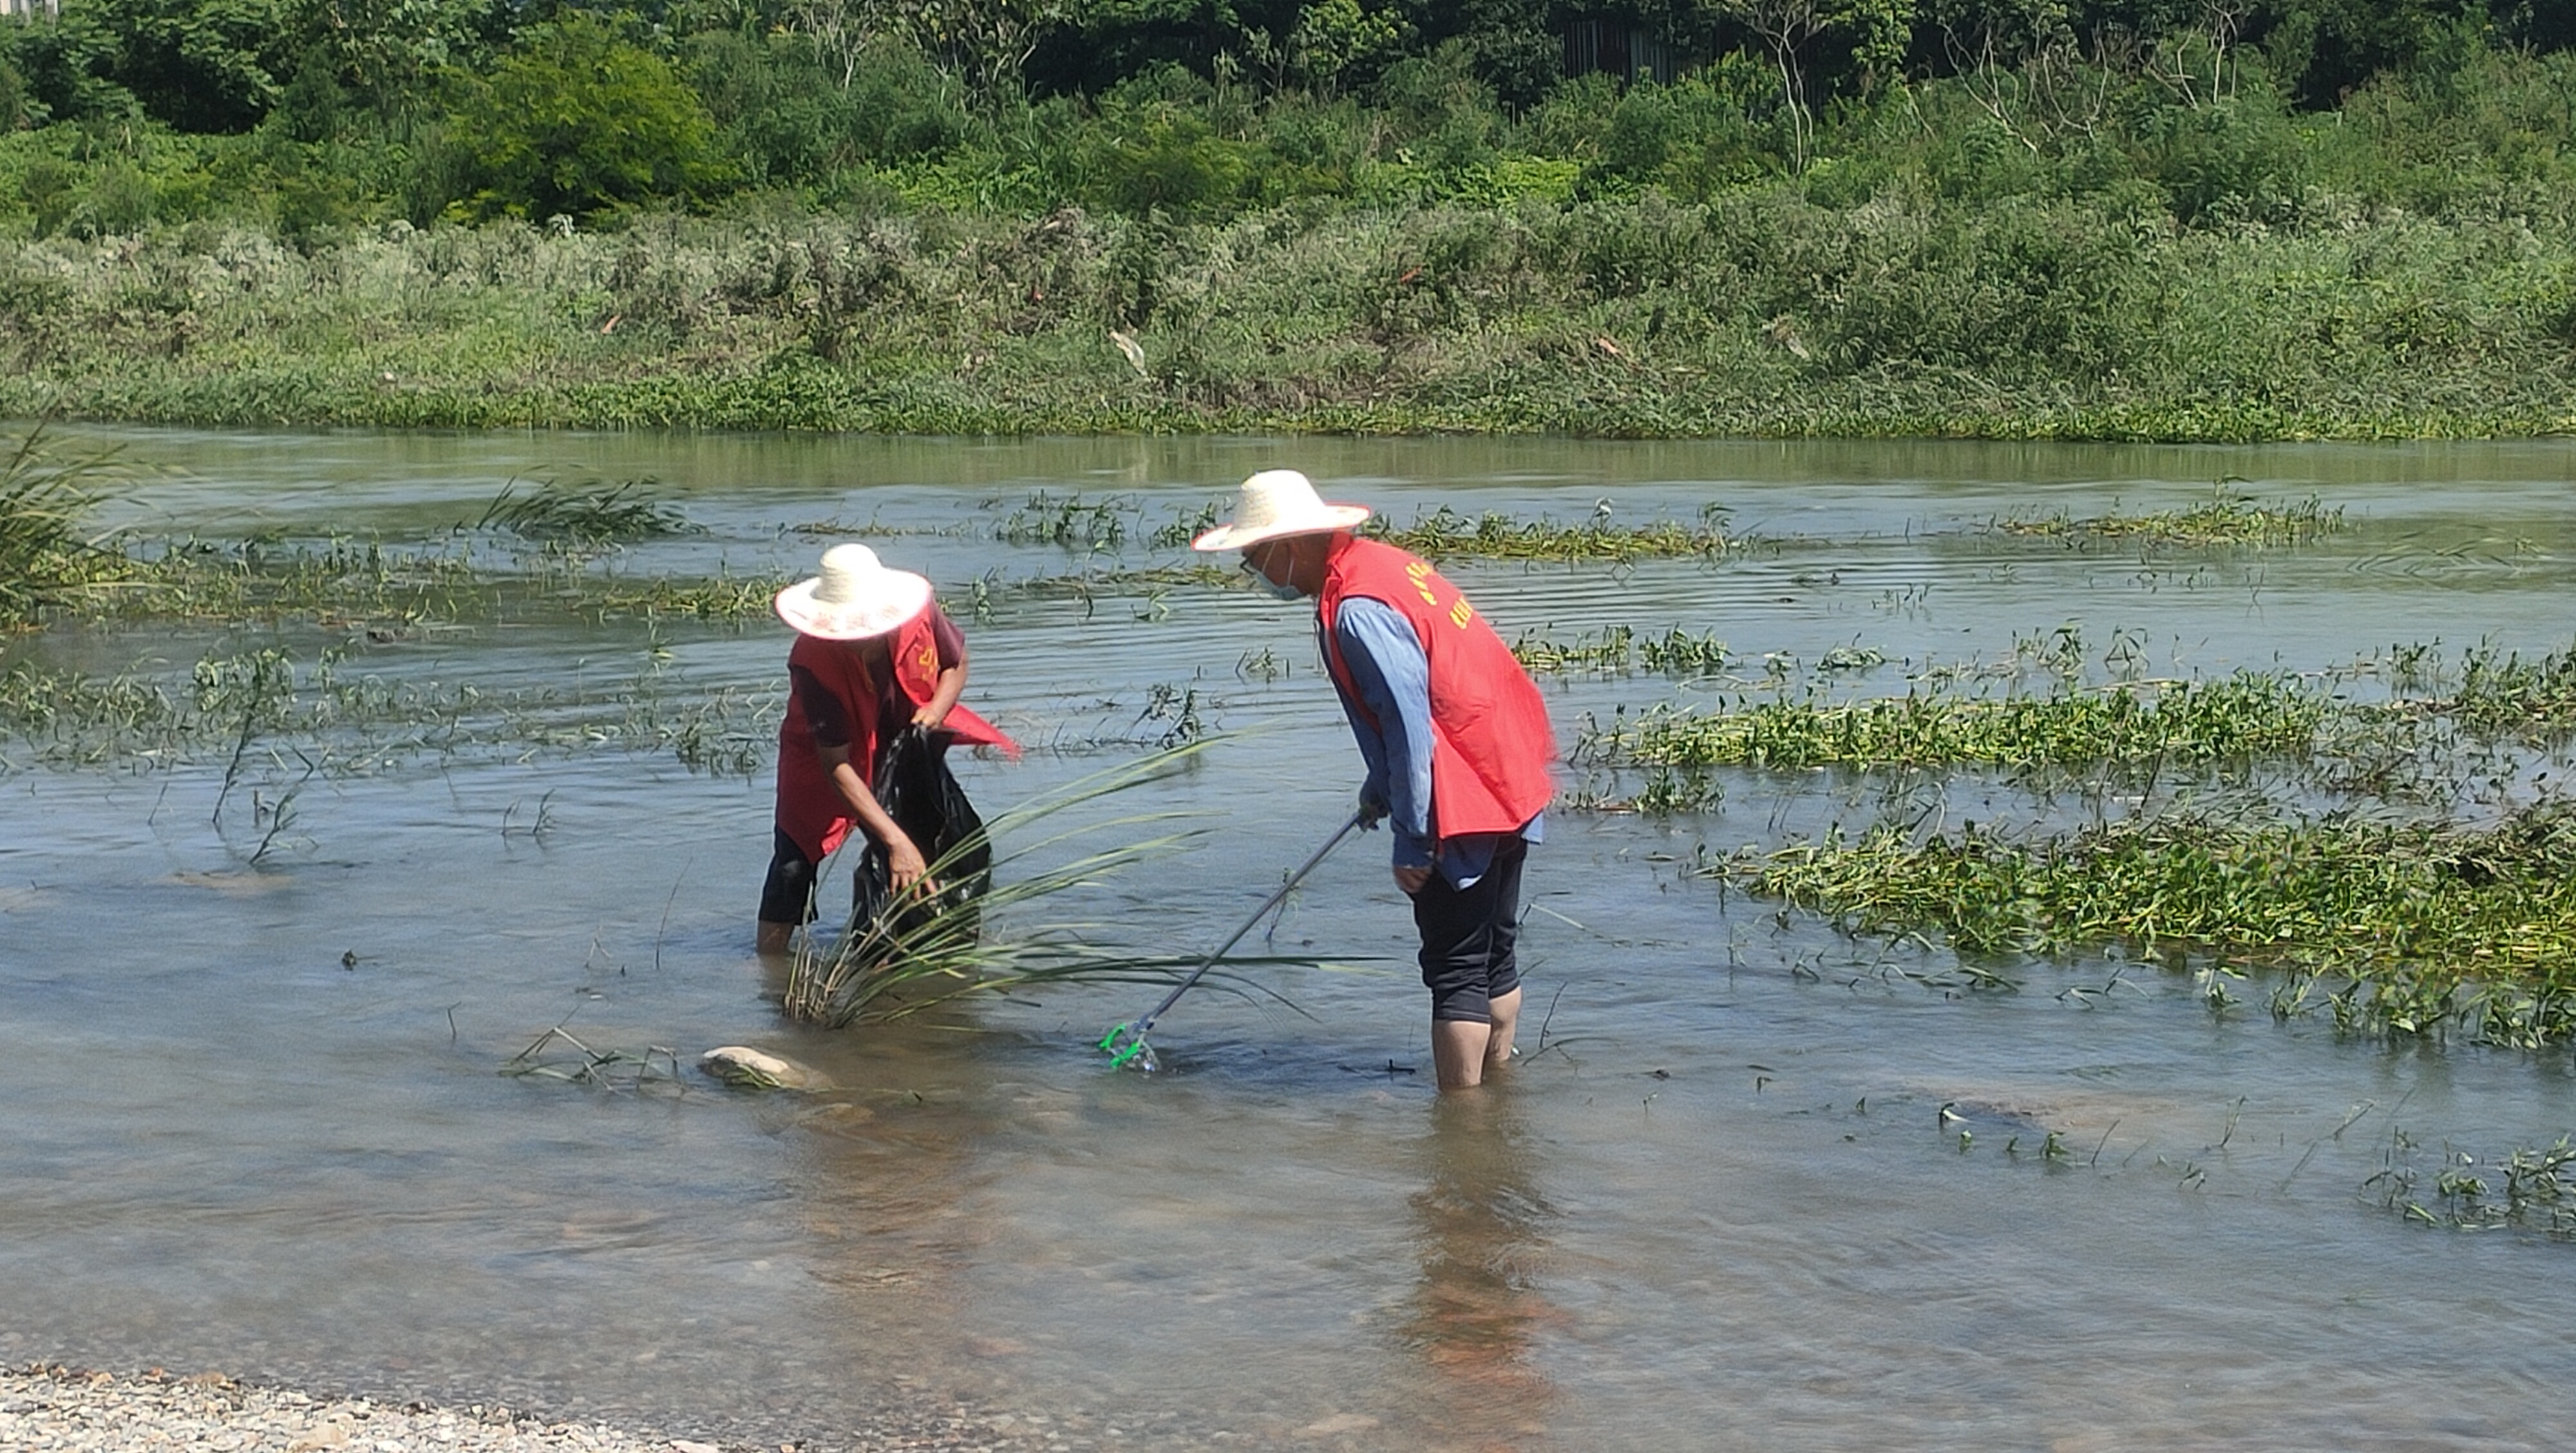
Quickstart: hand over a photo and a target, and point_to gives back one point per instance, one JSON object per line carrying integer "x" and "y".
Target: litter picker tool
{"x": 1125, "y": 1044}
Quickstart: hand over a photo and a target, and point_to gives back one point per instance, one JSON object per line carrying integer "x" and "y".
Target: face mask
{"x": 1277, "y": 591}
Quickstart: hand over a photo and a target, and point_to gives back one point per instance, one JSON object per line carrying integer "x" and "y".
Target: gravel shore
{"x": 51, "y": 1409}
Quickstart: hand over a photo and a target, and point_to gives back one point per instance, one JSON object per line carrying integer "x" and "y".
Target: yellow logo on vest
{"x": 1420, "y": 574}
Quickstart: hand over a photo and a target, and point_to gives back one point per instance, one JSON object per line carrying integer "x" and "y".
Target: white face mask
{"x": 1277, "y": 590}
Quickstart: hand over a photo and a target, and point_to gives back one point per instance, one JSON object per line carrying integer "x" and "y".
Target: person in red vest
{"x": 1456, "y": 739}
{"x": 873, "y": 654}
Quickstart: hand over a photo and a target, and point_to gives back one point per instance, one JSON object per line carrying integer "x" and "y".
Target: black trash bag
{"x": 916, "y": 789}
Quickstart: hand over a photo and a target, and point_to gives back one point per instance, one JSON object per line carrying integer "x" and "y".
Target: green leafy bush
{"x": 582, "y": 123}
{"x": 1161, "y": 157}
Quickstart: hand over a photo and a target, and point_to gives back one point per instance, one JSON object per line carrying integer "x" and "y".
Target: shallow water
{"x": 1716, "y": 1206}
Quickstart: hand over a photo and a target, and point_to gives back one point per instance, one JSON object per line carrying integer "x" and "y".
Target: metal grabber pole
{"x": 1125, "y": 1044}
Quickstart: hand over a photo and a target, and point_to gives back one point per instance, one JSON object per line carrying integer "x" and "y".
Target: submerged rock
{"x": 746, "y": 1068}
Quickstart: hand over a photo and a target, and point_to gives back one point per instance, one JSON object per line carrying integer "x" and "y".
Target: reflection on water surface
{"x": 1721, "y": 1202}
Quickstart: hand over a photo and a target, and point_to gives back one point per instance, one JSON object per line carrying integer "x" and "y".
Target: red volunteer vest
{"x": 810, "y": 809}
{"x": 1490, "y": 739}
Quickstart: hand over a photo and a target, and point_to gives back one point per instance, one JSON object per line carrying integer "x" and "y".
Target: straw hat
{"x": 855, "y": 597}
{"x": 1278, "y": 502}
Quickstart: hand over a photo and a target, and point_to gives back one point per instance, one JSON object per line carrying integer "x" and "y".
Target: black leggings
{"x": 1468, "y": 934}
{"x": 788, "y": 894}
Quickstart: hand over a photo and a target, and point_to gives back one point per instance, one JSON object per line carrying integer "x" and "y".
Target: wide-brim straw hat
{"x": 1275, "y": 503}
{"x": 854, "y": 598}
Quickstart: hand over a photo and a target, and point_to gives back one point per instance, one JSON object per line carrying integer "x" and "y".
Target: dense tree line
{"x": 332, "y": 112}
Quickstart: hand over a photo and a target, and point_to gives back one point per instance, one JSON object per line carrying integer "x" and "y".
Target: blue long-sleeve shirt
{"x": 1392, "y": 721}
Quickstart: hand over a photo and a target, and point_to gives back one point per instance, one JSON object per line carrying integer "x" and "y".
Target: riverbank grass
{"x": 1767, "y": 310}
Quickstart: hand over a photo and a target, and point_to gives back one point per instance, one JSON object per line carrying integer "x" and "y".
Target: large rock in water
{"x": 746, "y": 1068}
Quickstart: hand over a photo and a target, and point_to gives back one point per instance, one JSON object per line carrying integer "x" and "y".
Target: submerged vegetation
{"x": 2487, "y": 694}
{"x": 2460, "y": 899}
{"x": 332, "y": 720}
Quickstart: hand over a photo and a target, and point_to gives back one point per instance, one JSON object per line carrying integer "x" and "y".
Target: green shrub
{"x": 783, "y": 120}
{"x": 1161, "y": 157}
{"x": 1316, "y": 150}
{"x": 582, "y": 123}
{"x": 1692, "y": 139}
{"x": 318, "y": 199}
{"x": 19, "y": 107}
{"x": 114, "y": 199}
{"x": 903, "y": 108}
{"x": 2021, "y": 289}
{"x": 30, "y": 296}
{"x": 2238, "y": 158}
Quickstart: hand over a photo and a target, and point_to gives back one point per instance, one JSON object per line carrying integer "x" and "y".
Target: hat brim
{"x": 896, "y": 598}
{"x": 1236, "y": 537}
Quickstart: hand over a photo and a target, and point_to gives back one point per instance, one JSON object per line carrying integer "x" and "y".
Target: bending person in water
{"x": 1456, "y": 739}
{"x": 873, "y": 654}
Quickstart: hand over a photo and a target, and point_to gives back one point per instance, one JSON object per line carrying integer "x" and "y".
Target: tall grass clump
{"x": 927, "y": 949}
{"x": 44, "y": 557}
{"x": 581, "y": 516}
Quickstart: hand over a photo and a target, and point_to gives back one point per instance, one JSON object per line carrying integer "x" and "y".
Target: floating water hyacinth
{"x": 2243, "y": 715}
{"x": 2422, "y": 924}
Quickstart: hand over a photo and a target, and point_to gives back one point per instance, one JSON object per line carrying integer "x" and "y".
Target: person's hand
{"x": 928, "y": 718}
{"x": 1372, "y": 811}
{"x": 904, "y": 867}
{"x": 1412, "y": 879}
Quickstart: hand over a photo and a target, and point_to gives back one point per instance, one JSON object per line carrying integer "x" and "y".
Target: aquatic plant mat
{"x": 2407, "y": 927}
{"x": 1962, "y": 716}
{"x": 2385, "y": 840}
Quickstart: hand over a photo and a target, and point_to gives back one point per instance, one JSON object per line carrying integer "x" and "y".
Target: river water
{"x": 251, "y": 1115}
